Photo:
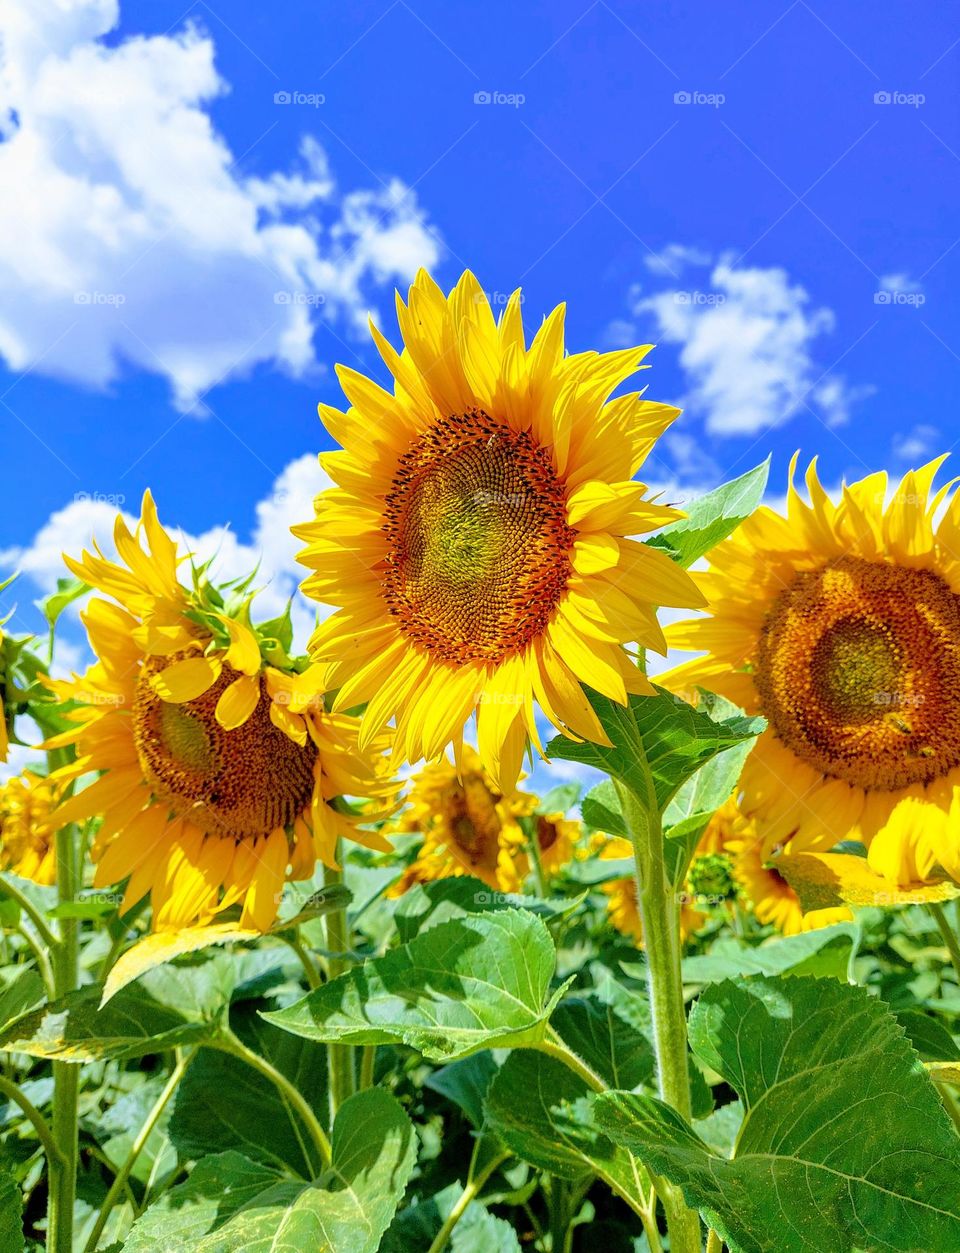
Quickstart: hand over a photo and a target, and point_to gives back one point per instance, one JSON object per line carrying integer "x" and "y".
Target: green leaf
{"x": 472, "y": 983}
{"x": 460, "y": 896}
{"x": 543, "y": 1113}
{"x": 133, "y": 1024}
{"x": 374, "y": 1152}
{"x": 711, "y": 518}
{"x": 620, "y": 1053}
{"x": 560, "y": 799}
{"x": 686, "y": 817}
{"x": 465, "y": 1083}
{"x": 600, "y": 810}
{"x": 68, "y": 590}
{"x": 11, "y": 1210}
{"x": 929, "y": 1036}
{"x": 218, "y": 1186}
{"x": 828, "y": 952}
{"x": 845, "y": 1143}
{"x": 223, "y": 1103}
{"x": 675, "y": 738}
{"x": 24, "y": 992}
{"x": 478, "y": 1231}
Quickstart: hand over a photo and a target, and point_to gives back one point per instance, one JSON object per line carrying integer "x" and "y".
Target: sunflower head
{"x": 27, "y": 826}
{"x": 840, "y": 623}
{"x": 469, "y": 826}
{"x": 221, "y": 769}
{"x": 478, "y": 544}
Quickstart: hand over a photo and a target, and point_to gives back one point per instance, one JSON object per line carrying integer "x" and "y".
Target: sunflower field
{"x": 297, "y": 957}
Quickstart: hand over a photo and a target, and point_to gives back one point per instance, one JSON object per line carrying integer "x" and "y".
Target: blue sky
{"x": 207, "y": 200}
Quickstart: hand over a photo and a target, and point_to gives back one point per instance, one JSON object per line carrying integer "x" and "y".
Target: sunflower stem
{"x": 66, "y": 1075}
{"x": 228, "y": 1042}
{"x": 340, "y": 1057}
{"x": 13, "y": 1093}
{"x": 472, "y": 1189}
{"x": 948, "y": 934}
{"x": 136, "y": 1148}
{"x": 660, "y": 918}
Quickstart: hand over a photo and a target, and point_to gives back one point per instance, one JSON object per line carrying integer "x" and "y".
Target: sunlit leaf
{"x": 845, "y": 1143}
{"x": 476, "y": 982}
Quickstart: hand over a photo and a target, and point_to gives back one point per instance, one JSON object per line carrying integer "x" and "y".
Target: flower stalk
{"x": 660, "y": 917}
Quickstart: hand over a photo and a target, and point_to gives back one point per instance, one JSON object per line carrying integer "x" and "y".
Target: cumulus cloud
{"x": 748, "y": 340}
{"x": 271, "y": 549}
{"x": 132, "y": 237}
{"x": 918, "y": 444}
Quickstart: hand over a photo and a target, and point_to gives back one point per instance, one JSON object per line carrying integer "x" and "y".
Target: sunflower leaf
{"x": 844, "y": 1144}
{"x": 428, "y": 904}
{"x": 543, "y": 1112}
{"x": 827, "y": 952}
{"x": 223, "y": 1103}
{"x": 481, "y": 981}
{"x": 675, "y": 739}
{"x": 347, "y": 1211}
{"x": 159, "y": 1013}
{"x": 711, "y": 518}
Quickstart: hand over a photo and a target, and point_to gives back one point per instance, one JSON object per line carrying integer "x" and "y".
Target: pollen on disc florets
{"x": 243, "y": 783}
{"x": 858, "y": 671}
{"x": 479, "y": 545}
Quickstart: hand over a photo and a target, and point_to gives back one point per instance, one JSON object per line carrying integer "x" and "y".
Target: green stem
{"x": 368, "y": 1061}
{"x": 533, "y": 843}
{"x": 66, "y": 1075}
{"x": 227, "y": 1042}
{"x": 40, "y": 1126}
{"x": 948, "y": 934}
{"x": 714, "y": 1243}
{"x": 659, "y": 915}
{"x": 10, "y": 889}
{"x": 553, "y": 1046}
{"x": 312, "y": 975}
{"x": 136, "y": 1148}
{"x": 42, "y": 954}
{"x": 340, "y": 1057}
{"x": 471, "y": 1191}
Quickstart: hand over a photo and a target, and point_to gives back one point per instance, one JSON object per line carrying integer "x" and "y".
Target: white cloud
{"x": 917, "y": 444}
{"x": 674, "y": 258}
{"x": 271, "y": 548}
{"x": 132, "y": 239}
{"x": 747, "y": 342}
{"x": 899, "y": 282}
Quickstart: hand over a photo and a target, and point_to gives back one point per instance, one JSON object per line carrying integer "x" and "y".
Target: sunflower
{"x": 556, "y": 838}
{"x": 218, "y": 772}
{"x": 840, "y": 623}
{"x": 754, "y": 876}
{"x": 477, "y": 544}
{"x": 469, "y": 826}
{"x": 27, "y": 828}
{"x": 623, "y": 909}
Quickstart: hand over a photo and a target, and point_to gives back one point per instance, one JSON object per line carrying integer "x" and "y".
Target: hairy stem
{"x": 66, "y": 1075}
{"x": 340, "y": 1057}
{"x": 659, "y": 915}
